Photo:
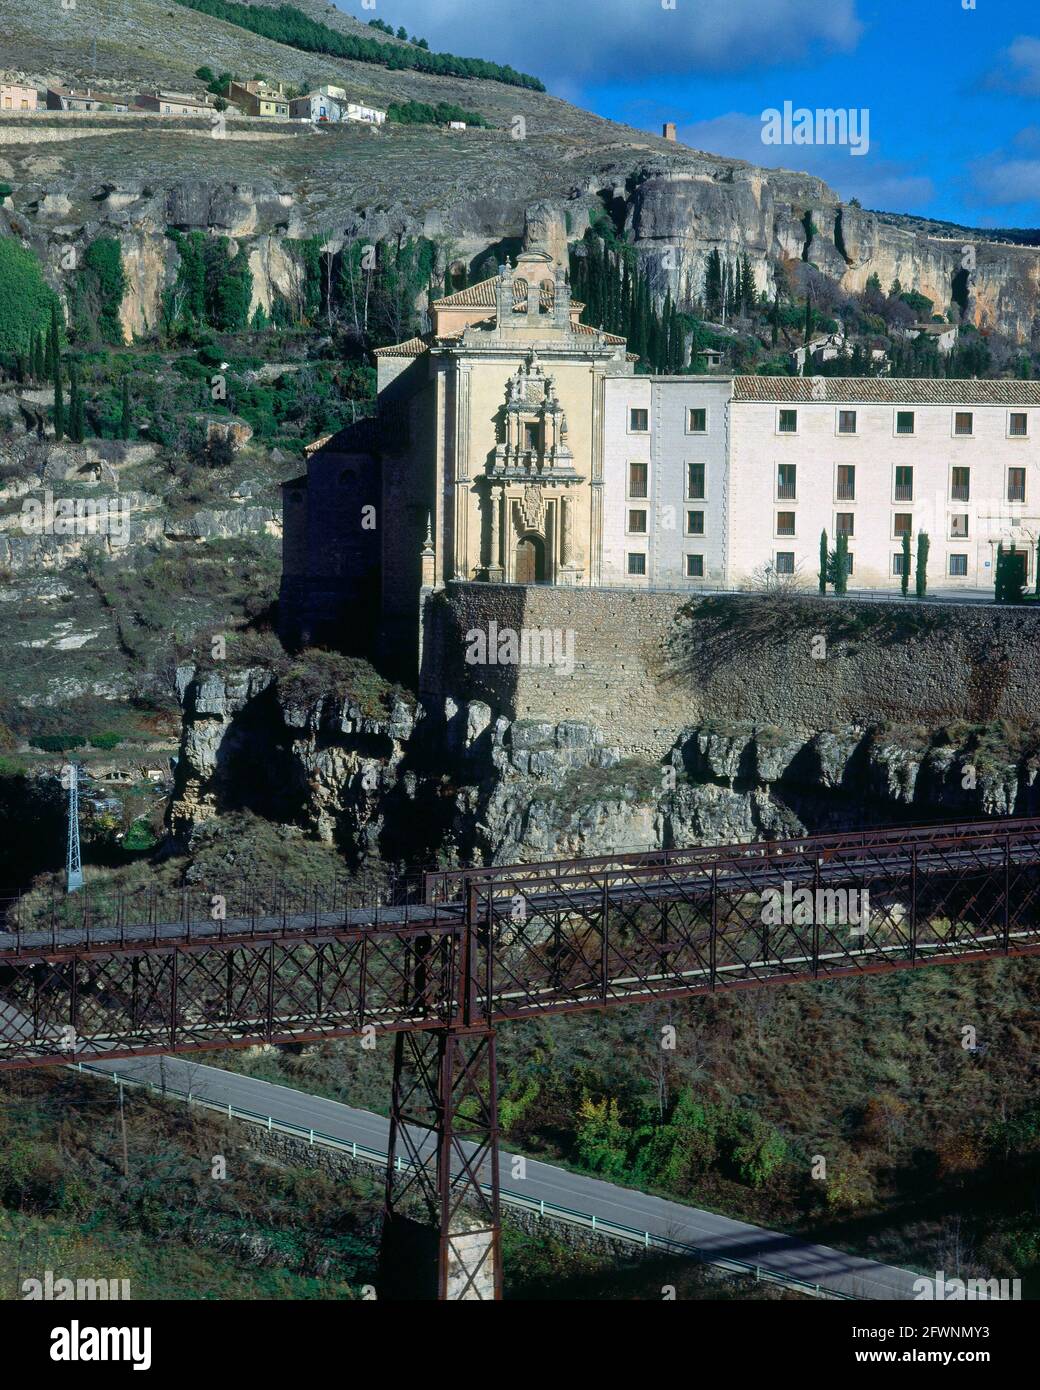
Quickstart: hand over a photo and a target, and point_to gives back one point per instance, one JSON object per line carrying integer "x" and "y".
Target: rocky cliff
{"x": 449, "y": 781}
{"x": 680, "y": 203}
{"x": 543, "y": 167}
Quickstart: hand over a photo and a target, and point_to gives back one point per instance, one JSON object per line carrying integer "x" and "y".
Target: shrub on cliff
{"x": 98, "y": 291}
{"x": 25, "y": 297}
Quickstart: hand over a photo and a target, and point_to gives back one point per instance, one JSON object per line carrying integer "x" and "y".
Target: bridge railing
{"x": 609, "y": 1230}
{"x": 99, "y": 915}
{"x": 449, "y": 885}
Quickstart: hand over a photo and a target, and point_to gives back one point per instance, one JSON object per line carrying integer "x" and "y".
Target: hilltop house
{"x": 173, "y": 104}
{"x": 68, "y": 99}
{"x": 326, "y": 104}
{"x": 258, "y": 99}
{"x": 14, "y": 97}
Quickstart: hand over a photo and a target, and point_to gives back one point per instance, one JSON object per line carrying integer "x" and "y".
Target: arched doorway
{"x": 529, "y": 565}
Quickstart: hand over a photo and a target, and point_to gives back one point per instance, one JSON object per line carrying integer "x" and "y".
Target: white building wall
{"x": 667, "y": 447}
{"x": 758, "y": 448}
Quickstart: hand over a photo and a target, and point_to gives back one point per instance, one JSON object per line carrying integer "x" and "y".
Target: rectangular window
{"x": 904, "y": 483}
{"x": 846, "y": 422}
{"x": 959, "y": 526}
{"x": 637, "y": 563}
{"x": 530, "y": 436}
{"x": 845, "y": 524}
{"x": 787, "y": 482}
{"x": 695, "y": 567}
{"x": 638, "y": 420}
{"x": 846, "y": 482}
{"x": 963, "y": 422}
{"x": 1018, "y": 425}
{"x": 788, "y": 422}
{"x": 848, "y": 568}
{"x": 897, "y": 564}
{"x": 958, "y": 565}
{"x": 1016, "y": 484}
{"x": 785, "y": 523}
{"x": 637, "y": 473}
{"x": 785, "y": 562}
{"x": 904, "y": 422}
{"x": 637, "y": 522}
{"x": 695, "y": 523}
{"x": 695, "y": 481}
{"x": 697, "y": 421}
{"x": 903, "y": 524}
{"x": 960, "y": 484}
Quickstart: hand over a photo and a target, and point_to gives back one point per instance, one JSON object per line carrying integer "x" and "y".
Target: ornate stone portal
{"x": 529, "y": 517}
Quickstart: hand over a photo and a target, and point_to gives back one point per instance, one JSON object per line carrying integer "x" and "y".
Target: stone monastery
{"x": 515, "y": 444}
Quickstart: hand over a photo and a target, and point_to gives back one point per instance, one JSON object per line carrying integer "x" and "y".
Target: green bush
{"x": 140, "y": 836}
{"x": 57, "y": 743}
{"x": 421, "y": 113}
{"x": 108, "y": 740}
{"x": 25, "y": 297}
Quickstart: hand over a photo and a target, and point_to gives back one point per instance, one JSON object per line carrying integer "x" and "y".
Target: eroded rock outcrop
{"x": 451, "y": 781}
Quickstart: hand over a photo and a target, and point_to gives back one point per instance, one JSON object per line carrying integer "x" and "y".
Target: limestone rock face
{"x": 452, "y": 781}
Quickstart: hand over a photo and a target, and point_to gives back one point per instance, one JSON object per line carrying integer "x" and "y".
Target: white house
{"x": 371, "y": 115}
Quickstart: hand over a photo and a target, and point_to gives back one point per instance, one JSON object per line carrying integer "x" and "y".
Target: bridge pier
{"x": 441, "y": 1222}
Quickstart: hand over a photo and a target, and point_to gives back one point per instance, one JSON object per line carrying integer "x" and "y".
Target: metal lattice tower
{"x": 73, "y": 863}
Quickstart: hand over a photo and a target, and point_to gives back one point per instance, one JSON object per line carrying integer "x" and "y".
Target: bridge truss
{"x": 479, "y": 947}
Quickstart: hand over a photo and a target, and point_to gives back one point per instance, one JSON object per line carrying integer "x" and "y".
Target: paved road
{"x": 718, "y": 1235}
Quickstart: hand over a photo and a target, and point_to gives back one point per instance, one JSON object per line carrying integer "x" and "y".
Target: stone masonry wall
{"x": 647, "y": 665}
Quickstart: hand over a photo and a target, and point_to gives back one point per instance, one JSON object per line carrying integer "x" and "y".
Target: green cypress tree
{"x": 654, "y": 345}
{"x": 841, "y": 563}
{"x": 713, "y": 285}
{"x": 904, "y": 580}
{"x": 678, "y": 342}
{"x": 747, "y": 284}
{"x": 126, "y": 418}
{"x": 75, "y": 404}
{"x": 774, "y": 320}
{"x": 921, "y": 574}
{"x": 53, "y": 344}
{"x": 824, "y": 555}
{"x": 59, "y": 405}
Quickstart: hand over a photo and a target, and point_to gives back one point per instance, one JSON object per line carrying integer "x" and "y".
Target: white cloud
{"x": 1018, "y": 68}
{"x": 886, "y": 184}
{"x": 619, "y": 39}
{"x": 1007, "y": 182}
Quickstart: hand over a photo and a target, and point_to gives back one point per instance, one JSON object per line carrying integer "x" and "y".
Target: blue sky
{"x": 953, "y": 93}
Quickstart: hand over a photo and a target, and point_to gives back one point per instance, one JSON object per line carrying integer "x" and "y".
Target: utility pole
{"x": 122, "y": 1125}
{"x": 73, "y": 862}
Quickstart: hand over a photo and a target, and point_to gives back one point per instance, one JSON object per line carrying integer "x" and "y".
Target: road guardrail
{"x": 608, "y": 1229}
